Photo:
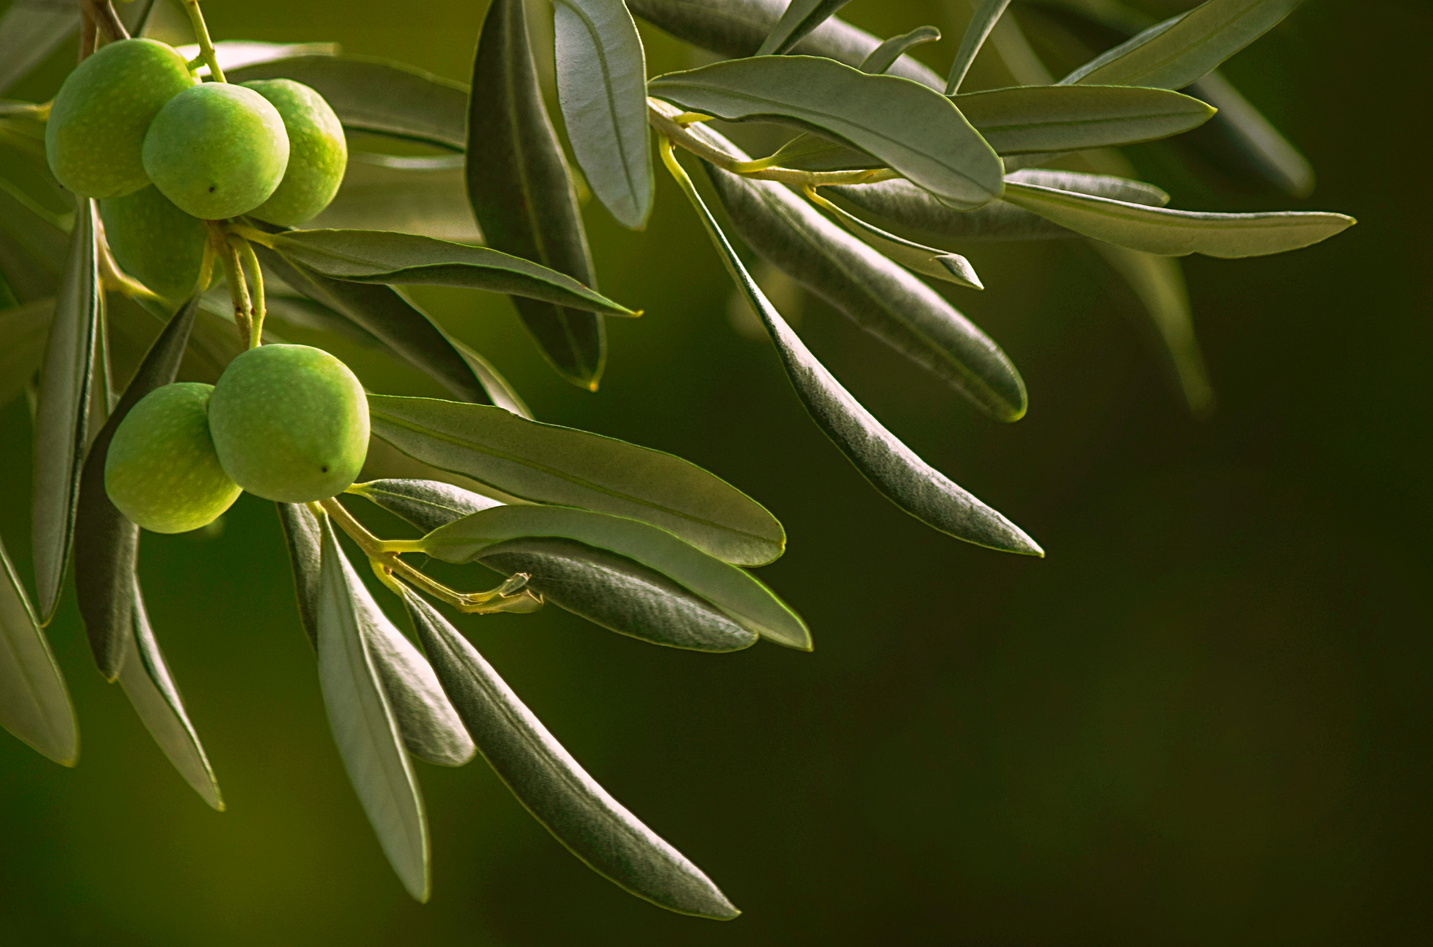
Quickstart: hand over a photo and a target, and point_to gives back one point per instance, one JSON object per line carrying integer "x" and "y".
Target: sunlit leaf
{"x": 34, "y": 702}
{"x": 927, "y": 261}
{"x": 982, "y": 21}
{"x": 553, "y": 787}
{"x": 364, "y": 726}
{"x": 602, "y": 89}
{"x": 1100, "y": 185}
{"x": 797, "y": 21}
{"x": 1057, "y": 118}
{"x": 908, "y": 127}
{"x": 550, "y": 464}
{"x": 236, "y": 54}
{"x": 522, "y": 192}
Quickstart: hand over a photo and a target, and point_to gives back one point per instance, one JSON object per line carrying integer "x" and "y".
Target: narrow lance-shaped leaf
{"x": 927, "y": 261}
{"x": 1028, "y": 119}
{"x": 522, "y": 193}
{"x": 34, "y": 702}
{"x": 550, "y": 464}
{"x": 376, "y": 256}
{"x": 909, "y": 127}
{"x": 982, "y": 20}
{"x": 736, "y": 592}
{"x": 602, "y": 89}
{"x": 364, "y": 726}
{"x": 425, "y": 196}
{"x": 799, "y": 20}
{"x": 29, "y": 33}
{"x": 1180, "y": 50}
{"x": 596, "y": 584}
{"x": 890, "y": 466}
{"x": 374, "y": 95}
{"x": 884, "y": 56}
{"x": 738, "y": 28}
{"x": 24, "y": 329}
{"x": 1168, "y": 232}
{"x": 1254, "y": 137}
{"x": 107, "y": 542}
{"x": 155, "y": 697}
{"x": 62, "y": 410}
{"x": 553, "y": 787}
{"x": 875, "y": 293}
{"x": 431, "y": 729}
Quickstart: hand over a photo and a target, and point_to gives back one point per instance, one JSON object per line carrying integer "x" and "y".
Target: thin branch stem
{"x": 201, "y": 34}
{"x": 103, "y": 15}
{"x": 234, "y": 276}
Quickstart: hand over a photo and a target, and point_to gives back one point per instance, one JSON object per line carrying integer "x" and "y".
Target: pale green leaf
{"x": 918, "y": 258}
{"x": 982, "y": 20}
{"x": 34, "y": 702}
{"x": 884, "y": 56}
{"x": 1058, "y": 118}
{"x": 799, "y": 19}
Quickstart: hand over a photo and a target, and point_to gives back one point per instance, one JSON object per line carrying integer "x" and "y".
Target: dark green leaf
{"x": 1177, "y": 232}
{"x": 875, "y": 293}
{"x": 907, "y": 126}
{"x": 549, "y": 464}
{"x": 106, "y": 542}
{"x": 155, "y": 697}
{"x": 884, "y": 56}
{"x": 738, "y": 27}
{"x": 379, "y": 194}
{"x": 522, "y": 192}
{"x": 1071, "y": 118}
{"x": 62, "y": 411}
{"x": 798, "y": 20}
{"x": 890, "y": 466}
{"x": 735, "y": 592}
{"x": 982, "y": 21}
{"x": 24, "y": 329}
{"x": 553, "y": 787}
{"x": 602, "y": 88}
{"x": 34, "y": 703}
{"x": 1254, "y": 137}
{"x": 1182, "y": 49}
{"x": 374, "y": 95}
{"x": 32, "y": 250}
{"x": 391, "y": 317}
{"x": 364, "y": 726}
{"x": 431, "y": 730}
{"x": 376, "y": 256}
{"x": 29, "y": 33}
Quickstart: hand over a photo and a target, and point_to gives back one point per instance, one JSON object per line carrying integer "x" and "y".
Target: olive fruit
{"x": 95, "y": 133}
{"x": 290, "y": 423}
{"x": 161, "y": 469}
{"x": 155, "y": 242}
{"x": 318, "y": 153}
{"x": 216, "y": 150}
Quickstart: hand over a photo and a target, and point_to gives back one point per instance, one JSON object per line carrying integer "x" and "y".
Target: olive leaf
{"x": 1168, "y": 232}
{"x": 551, "y": 464}
{"x": 1112, "y": 186}
{"x": 522, "y": 192}
{"x": 431, "y": 729}
{"x": 34, "y": 702}
{"x": 908, "y": 127}
{"x": 737, "y": 593}
{"x": 237, "y": 54}
{"x": 600, "y": 586}
{"x": 29, "y": 33}
{"x": 553, "y": 786}
{"x": 364, "y": 726}
{"x": 24, "y": 329}
{"x": 107, "y": 543}
{"x": 738, "y": 28}
{"x": 1058, "y": 118}
{"x": 883, "y": 57}
{"x": 375, "y": 95}
{"x": 62, "y": 410}
{"x": 421, "y": 196}
{"x": 889, "y": 465}
{"x": 875, "y": 293}
{"x": 1268, "y": 152}
{"x": 602, "y": 89}
{"x": 798, "y": 20}
{"x": 927, "y": 261}
{"x": 375, "y": 256}
{"x": 1183, "y": 48}
{"x": 33, "y": 252}
{"x": 151, "y": 690}
{"x": 982, "y": 21}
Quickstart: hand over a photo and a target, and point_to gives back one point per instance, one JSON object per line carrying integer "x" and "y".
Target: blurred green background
{"x": 1202, "y": 719}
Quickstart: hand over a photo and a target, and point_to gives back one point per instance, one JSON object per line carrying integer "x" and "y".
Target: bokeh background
{"x": 1202, "y": 719}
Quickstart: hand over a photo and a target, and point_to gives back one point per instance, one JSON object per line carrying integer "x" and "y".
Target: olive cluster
{"x": 163, "y": 152}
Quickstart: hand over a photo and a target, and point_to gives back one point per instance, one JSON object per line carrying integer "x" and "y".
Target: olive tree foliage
{"x": 887, "y": 169}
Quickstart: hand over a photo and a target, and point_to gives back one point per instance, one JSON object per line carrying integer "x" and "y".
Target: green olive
{"x": 217, "y": 150}
{"x": 161, "y": 469}
{"x": 95, "y": 133}
{"x": 318, "y": 153}
{"x": 155, "y": 242}
{"x": 290, "y": 423}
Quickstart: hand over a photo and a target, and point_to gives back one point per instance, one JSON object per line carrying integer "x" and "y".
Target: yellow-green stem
{"x": 201, "y": 35}
{"x": 256, "y": 289}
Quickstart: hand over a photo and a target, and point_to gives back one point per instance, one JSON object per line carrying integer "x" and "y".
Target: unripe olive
{"x": 216, "y": 150}
{"x": 318, "y": 153}
{"x": 161, "y": 469}
{"x": 155, "y": 242}
{"x": 290, "y": 423}
{"x": 96, "y": 129}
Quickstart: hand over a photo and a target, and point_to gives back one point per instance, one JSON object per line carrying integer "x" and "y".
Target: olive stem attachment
{"x": 201, "y": 35}
{"x": 671, "y": 123}
{"x": 511, "y": 595}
